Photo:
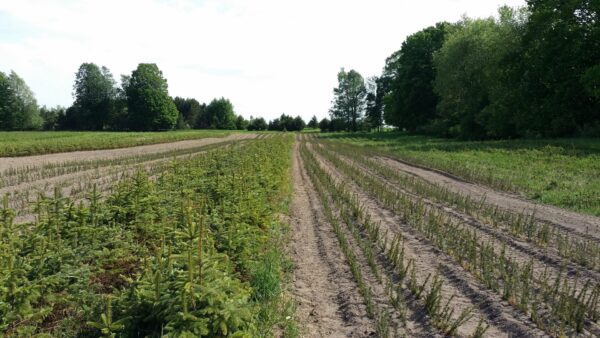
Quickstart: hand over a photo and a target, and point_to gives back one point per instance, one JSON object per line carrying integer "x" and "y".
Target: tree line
{"x": 529, "y": 72}
{"x": 140, "y": 103}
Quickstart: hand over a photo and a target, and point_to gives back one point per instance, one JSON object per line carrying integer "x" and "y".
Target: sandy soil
{"x": 544, "y": 260}
{"x": 328, "y": 301}
{"x": 561, "y": 217}
{"x": 7, "y": 163}
{"x": 503, "y": 319}
{"x": 75, "y": 184}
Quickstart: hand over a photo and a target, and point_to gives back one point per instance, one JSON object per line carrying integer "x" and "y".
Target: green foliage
{"x": 287, "y": 123}
{"x": 149, "y": 105}
{"x": 529, "y": 72}
{"x": 34, "y": 143}
{"x": 18, "y": 107}
{"x": 470, "y": 77}
{"x": 52, "y": 117}
{"x": 408, "y": 77}
{"x": 349, "y": 98}
{"x": 561, "y": 172}
{"x": 313, "y": 123}
{"x": 241, "y": 123}
{"x": 324, "y": 125}
{"x": 218, "y": 114}
{"x": 95, "y": 94}
{"x": 191, "y": 252}
{"x": 257, "y": 124}
{"x": 376, "y": 88}
{"x": 560, "y": 53}
{"x": 189, "y": 110}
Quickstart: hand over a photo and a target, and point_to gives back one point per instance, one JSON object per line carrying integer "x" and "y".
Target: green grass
{"x": 22, "y": 143}
{"x": 560, "y": 172}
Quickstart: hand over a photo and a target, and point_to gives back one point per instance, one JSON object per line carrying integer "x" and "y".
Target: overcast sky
{"x": 267, "y": 56}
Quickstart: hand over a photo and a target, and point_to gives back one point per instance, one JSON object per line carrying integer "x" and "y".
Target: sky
{"x": 267, "y": 56}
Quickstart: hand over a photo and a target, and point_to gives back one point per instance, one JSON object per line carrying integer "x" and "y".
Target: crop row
{"x": 581, "y": 250}
{"x": 33, "y": 143}
{"x": 387, "y": 261}
{"x": 553, "y": 304}
{"x": 195, "y": 251}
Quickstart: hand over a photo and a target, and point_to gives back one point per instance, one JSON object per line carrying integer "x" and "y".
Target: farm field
{"x": 294, "y": 235}
{"x": 22, "y": 143}
{"x": 560, "y": 172}
{"x": 427, "y": 259}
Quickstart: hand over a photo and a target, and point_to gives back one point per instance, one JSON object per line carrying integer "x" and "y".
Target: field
{"x": 259, "y": 235}
{"x": 34, "y": 143}
{"x": 560, "y": 172}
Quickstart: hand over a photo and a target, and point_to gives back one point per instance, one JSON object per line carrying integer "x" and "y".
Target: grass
{"x": 560, "y": 172}
{"x": 23, "y": 143}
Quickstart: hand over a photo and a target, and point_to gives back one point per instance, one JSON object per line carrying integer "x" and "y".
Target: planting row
{"x": 555, "y": 302}
{"x": 195, "y": 251}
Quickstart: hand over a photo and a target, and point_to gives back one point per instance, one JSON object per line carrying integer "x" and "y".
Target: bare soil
{"x": 504, "y": 320}
{"x": 7, "y": 163}
{"x": 583, "y": 224}
{"x": 328, "y": 302}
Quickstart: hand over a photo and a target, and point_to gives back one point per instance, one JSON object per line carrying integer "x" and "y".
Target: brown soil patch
{"x": 561, "y": 217}
{"x": 38, "y": 160}
{"x": 328, "y": 301}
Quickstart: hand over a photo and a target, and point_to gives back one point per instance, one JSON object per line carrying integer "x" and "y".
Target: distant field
{"x": 35, "y": 143}
{"x": 560, "y": 172}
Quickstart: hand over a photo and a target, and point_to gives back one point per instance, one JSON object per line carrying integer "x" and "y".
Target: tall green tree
{"x": 149, "y": 105}
{"x": 472, "y": 77}
{"x": 190, "y": 110}
{"x": 18, "y": 106}
{"x": 218, "y": 114}
{"x": 349, "y": 98}
{"x": 94, "y": 92}
{"x": 313, "y": 123}
{"x": 374, "y": 102}
{"x": 560, "y": 66}
{"x": 7, "y": 104}
{"x": 257, "y": 124}
{"x": 241, "y": 123}
{"x": 408, "y": 76}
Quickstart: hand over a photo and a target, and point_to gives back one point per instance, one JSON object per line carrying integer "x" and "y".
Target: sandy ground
{"x": 561, "y": 217}
{"x": 75, "y": 184}
{"x": 468, "y": 292}
{"x": 7, "y": 163}
{"x": 327, "y": 297}
{"x": 544, "y": 260}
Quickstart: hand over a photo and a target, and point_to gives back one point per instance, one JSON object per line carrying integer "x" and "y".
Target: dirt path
{"x": 7, "y": 163}
{"x": 561, "y": 217}
{"x": 503, "y": 319}
{"x": 328, "y": 301}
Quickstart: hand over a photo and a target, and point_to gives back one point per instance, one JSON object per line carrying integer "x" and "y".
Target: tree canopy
{"x": 150, "y": 106}
{"x": 349, "y": 98}
{"x": 95, "y": 93}
{"x": 218, "y": 114}
{"x": 18, "y": 106}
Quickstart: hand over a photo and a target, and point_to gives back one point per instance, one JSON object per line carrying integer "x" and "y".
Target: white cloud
{"x": 267, "y": 56}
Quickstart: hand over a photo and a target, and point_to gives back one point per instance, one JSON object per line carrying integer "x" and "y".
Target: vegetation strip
{"x": 585, "y": 300}
{"x": 196, "y": 251}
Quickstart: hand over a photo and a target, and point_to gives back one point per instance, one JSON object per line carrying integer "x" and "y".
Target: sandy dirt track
{"x": 7, "y": 163}
{"x": 328, "y": 301}
{"x": 561, "y": 217}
